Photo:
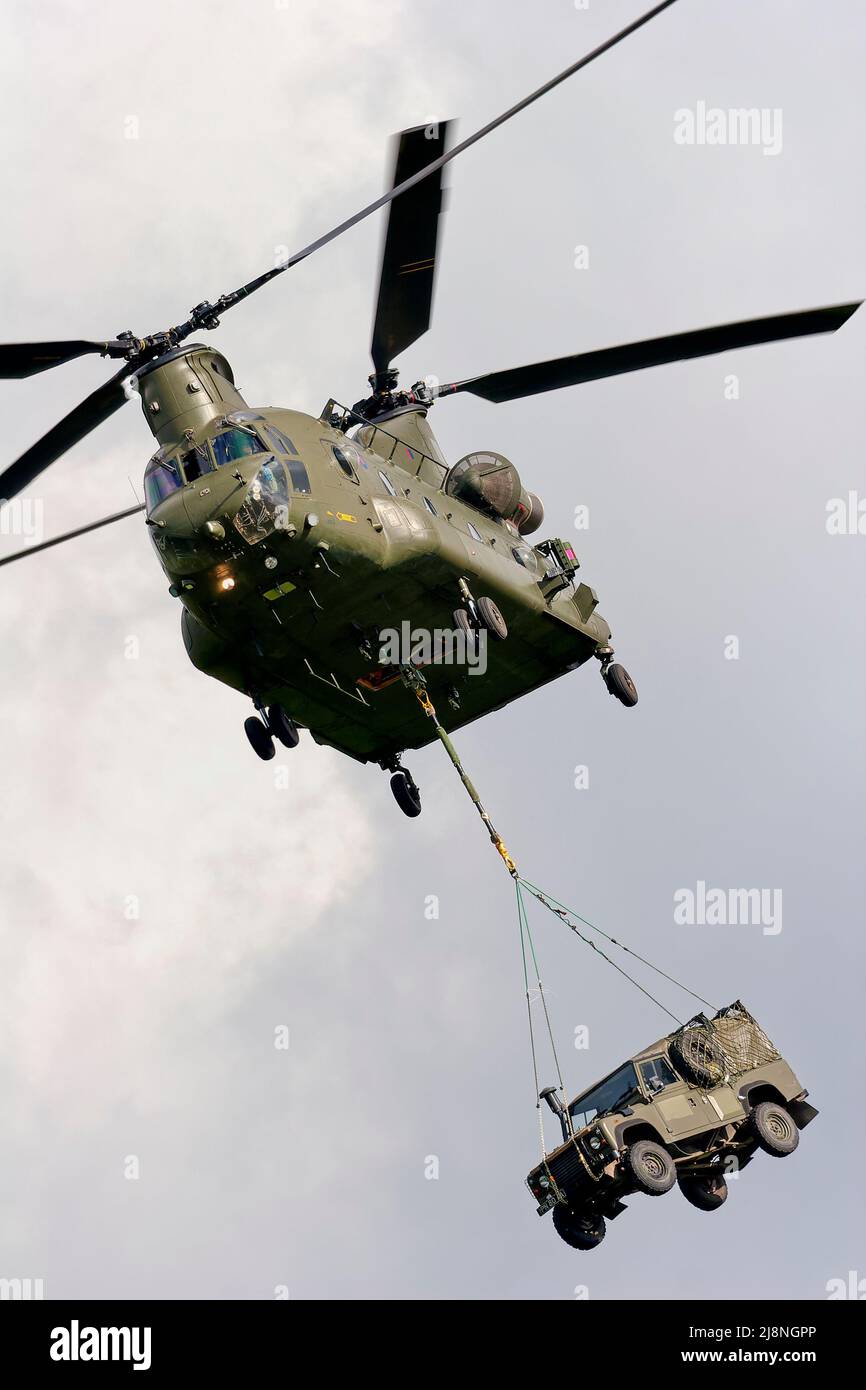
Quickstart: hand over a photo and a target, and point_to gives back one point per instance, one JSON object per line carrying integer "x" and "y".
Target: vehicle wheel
{"x": 651, "y": 1167}
{"x": 705, "y": 1193}
{"x": 406, "y": 794}
{"x": 282, "y": 727}
{"x": 463, "y": 623}
{"x": 620, "y": 684}
{"x": 582, "y": 1230}
{"x": 492, "y": 619}
{"x": 698, "y": 1056}
{"x": 259, "y": 737}
{"x": 774, "y": 1129}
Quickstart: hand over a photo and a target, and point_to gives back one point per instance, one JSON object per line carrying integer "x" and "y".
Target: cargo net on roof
{"x": 709, "y": 1050}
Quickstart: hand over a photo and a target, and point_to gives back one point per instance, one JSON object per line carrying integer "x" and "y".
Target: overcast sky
{"x": 167, "y": 903}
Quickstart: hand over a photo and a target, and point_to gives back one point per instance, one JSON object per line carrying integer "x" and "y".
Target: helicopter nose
{"x": 172, "y": 519}
{"x": 218, "y": 494}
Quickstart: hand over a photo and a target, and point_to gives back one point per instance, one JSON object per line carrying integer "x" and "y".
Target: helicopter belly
{"x": 315, "y": 651}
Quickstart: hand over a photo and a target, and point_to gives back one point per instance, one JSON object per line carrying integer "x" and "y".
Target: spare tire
{"x": 699, "y": 1057}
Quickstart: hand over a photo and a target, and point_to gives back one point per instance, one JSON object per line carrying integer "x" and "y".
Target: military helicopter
{"x": 293, "y": 542}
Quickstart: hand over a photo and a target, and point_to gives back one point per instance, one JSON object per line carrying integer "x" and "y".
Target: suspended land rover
{"x": 685, "y": 1111}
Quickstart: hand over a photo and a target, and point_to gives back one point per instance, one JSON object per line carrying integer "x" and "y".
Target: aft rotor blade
{"x": 228, "y": 301}
{"x": 511, "y": 384}
{"x": 70, "y": 535}
{"x": 408, "y": 267}
{"x": 79, "y": 422}
{"x": 19, "y": 360}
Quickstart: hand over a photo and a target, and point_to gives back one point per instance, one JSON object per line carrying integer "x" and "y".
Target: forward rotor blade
{"x": 70, "y": 535}
{"x": 408, "y": 269}
{"x": 537, "y": 377}
{"x": 19, "y": 360}
{"x": 79, "y": 422}
{"x": 228, "y": 301}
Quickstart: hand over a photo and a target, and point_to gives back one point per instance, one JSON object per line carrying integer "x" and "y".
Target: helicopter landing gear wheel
{"x": 620, "y": 684}
{"x": 463, "y": 623}
{"x": 282, "y": 727}
{"x": 491, "y": 619}
{"x": 406, "y": 793}
{"x": 261, "y": 739}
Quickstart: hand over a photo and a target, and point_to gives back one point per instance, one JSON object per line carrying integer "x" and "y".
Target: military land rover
{"x": 681, "y": 1112}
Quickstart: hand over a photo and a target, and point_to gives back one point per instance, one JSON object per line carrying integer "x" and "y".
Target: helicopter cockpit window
{"x": 195, "y": 462}
{"x": 161, "y": 478}
{"x": 235, "y": 444}
{"x": 297, "y": 471}
{"x": 282, "y": 441}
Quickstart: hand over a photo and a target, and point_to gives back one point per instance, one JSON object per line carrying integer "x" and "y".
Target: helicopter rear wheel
{"x": 491, "y": 618}
{"x": 620, "y": 684}
{"x": 261, "y": 739}
{"x": 406, "y": 793}
{"x": 282, "y": 727}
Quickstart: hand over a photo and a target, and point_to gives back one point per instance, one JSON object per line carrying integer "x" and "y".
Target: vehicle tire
{"x": 492, "y": 619}
{"x": 620, "y": 684}
{"x": 581, "y": 1230}
{"x": 282, "y": 727}
{"x": 463, "y": 623}
{"x": 260, "y": 738}
{"x": 698, "y": 1057}
{"x": 706, "y": 1193}
{"x": 406, "y": 794}
{"x": 650, "y": 1167}
{"x": 773, "y": 1129}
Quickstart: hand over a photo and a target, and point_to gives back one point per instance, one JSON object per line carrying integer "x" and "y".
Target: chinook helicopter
{"x": 293, "y": 542}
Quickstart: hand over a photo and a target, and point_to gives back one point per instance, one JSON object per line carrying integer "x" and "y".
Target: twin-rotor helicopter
{"x": 293, "y": 542}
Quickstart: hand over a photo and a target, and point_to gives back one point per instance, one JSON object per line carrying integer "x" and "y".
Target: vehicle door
{"x": 679, "y": 1106}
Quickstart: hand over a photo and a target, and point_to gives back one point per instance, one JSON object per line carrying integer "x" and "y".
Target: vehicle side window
{"x": 161, "y": 479}
{"x": 283, "y": 443}
{"x": 389, "y": 486}
{"x": 347, "y": 457}
{"x": 657, "y": 1073}
{"x": 297, "y": 471}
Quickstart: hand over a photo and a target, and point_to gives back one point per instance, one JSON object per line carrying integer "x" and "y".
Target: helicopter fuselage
{"x": 294, "y": 546}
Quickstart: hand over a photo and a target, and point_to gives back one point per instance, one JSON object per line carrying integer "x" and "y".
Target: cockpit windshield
{"x": 161, "y": 478}
{"x": 608, "y": 1095}
{"x": 235, "y": 444}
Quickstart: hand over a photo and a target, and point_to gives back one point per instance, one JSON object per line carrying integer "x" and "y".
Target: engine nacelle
{"x": 492, "y": 484}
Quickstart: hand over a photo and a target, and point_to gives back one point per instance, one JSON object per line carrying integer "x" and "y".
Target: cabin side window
{"x": 161, "y": 479}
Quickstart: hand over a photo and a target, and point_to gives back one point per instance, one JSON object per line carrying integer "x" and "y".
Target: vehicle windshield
{"x": 235, "y": 444}
{"x": 607, "y": 1095}
{"x": 161, "y": 478}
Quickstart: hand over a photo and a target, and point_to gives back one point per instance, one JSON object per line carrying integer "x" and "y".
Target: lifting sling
{"x": 414, "y": 681}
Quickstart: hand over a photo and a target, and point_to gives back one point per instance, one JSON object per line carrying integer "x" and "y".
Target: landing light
{"x": 227, "y": 583}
